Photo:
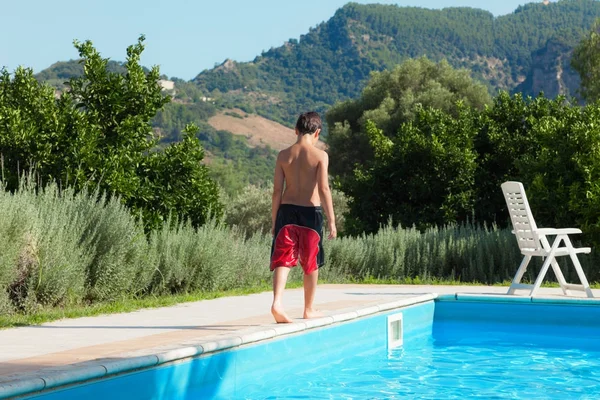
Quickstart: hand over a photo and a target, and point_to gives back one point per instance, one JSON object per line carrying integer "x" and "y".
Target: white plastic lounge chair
{"x": 534, "y": 242}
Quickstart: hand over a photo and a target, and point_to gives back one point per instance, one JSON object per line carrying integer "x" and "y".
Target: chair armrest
{"x": 553, "y": 231}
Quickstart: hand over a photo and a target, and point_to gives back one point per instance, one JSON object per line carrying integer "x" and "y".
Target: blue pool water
{"x": 451, "y": 350}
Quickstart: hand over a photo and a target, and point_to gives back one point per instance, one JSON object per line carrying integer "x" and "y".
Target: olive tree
{"x": 392, "y": 98}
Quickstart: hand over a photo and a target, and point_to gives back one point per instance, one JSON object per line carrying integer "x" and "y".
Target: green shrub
{"x": 118, "y": 245}
{"x": 212, "y": 257}
{"x": 250, "y": 210}
{"x": 48, "y": 266}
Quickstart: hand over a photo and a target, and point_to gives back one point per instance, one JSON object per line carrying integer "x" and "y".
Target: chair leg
{"x": 560, "y": 277}
{"x": 519, "y": 275}
{"x": 541, "y": 275}
{"x": 556, "y": 268}
{"x": 580, "y": 273}
{"x": 549, "y": 259}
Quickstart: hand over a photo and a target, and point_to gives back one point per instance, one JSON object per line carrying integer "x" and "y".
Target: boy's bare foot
{"x": 280, "y": 315}
{"x": 312, "y": 313}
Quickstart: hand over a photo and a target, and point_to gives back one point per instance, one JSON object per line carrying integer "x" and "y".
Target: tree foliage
{"x": 422, "y": 176}
{"x": 393, "y": 98}
{"x": 445, "y": 168}
{"x": 59, "y": 73}
{"x": 99, "y": 134}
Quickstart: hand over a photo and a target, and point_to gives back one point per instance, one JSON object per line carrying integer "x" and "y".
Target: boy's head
{"x": 308, "y": 123}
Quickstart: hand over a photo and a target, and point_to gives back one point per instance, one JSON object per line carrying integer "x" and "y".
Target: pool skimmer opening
{"x": 394, "y": 330}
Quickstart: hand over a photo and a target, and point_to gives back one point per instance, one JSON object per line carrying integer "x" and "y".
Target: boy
{"x": 297, "y": 215}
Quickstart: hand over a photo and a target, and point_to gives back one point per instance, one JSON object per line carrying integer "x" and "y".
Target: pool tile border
{"x": 128, "y": 364}
{"x": 56, "y": 377}
{"x": 499, "y": 298}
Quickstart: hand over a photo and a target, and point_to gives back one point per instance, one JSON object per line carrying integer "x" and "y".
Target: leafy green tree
{"x": 504, "y": 142}
{"x": 586, "y": 61}
{"x": 392, "y": 98}
{"x": 443, "y": 168}
{"x": 116, "y": 109}
{"x": 35, "y": 128}
{"x": 562, "y": 176}
{"x": 99, "y": 134}
{"x": 422, "y": 176}
{"x": 545, "y": 143}
{"x": 175, "y": 181}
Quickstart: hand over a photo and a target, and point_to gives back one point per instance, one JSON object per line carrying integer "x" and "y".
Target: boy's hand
{"x": 332, "y": 231}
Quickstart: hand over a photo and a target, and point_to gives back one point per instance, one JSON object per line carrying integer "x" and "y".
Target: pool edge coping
{"x": 504, "y": 298}
{"x": 66, "y": 375}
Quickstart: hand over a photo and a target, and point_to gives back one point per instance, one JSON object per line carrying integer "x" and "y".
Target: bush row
{"x": 61, "y": 247}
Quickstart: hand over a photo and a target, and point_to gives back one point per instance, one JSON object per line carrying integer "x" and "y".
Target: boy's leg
{"x": 280, "y": 276}
{"x": 310, "y": 286}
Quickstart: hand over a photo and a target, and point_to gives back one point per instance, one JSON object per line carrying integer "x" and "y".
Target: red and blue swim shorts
{"x": 298, "y": 238}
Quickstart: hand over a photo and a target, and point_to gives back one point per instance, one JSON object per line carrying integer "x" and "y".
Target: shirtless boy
{"x": 297, "y": 214}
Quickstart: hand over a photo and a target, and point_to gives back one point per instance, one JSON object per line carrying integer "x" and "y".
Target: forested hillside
{"x": 332, "y": 61}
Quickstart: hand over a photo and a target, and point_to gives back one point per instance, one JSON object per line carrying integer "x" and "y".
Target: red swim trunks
{"x": 298, "y": 238}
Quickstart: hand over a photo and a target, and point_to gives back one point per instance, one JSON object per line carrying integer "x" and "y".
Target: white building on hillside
{"x": 166, "y": 85}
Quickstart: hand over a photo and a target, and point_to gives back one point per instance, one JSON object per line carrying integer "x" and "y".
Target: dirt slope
{"x": 259, "y": 131}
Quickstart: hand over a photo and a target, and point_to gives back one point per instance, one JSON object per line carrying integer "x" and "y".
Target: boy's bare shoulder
{"x": 321, "y": 153}
{"x": 284, "y": 153}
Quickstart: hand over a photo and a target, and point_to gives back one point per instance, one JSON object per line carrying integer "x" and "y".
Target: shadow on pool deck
{"x": 174, "y": 327}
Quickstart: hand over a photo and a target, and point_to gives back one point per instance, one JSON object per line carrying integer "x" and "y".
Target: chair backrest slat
{"x": 520, "y": 215}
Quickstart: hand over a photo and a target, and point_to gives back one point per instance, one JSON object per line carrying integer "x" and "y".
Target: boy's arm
{"x": 277, "y": 193}
{"x": 325, "y": 194}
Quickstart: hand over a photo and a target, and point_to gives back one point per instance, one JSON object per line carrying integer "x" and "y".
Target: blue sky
{"x": 183, "y": 37}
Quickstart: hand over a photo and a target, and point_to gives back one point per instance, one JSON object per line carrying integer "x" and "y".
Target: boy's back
{"x": 300, "y": 164}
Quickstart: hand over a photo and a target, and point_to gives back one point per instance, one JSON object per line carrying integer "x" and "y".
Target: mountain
{"x": 332, "y": 61}
{"x": 528, "y": 51}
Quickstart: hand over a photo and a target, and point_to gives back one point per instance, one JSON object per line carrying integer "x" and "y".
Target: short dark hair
{"x": 308, "y": 123}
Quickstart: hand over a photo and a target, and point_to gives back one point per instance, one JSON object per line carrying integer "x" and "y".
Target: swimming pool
{"x": 450, "y": 349}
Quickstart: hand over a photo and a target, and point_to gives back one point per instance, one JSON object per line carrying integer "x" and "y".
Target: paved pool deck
{"x": 70, "y": 350}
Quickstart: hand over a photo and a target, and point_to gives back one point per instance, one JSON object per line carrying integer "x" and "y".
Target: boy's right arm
{"x": 278, "y": 181}
{"x": 325, "y": 195}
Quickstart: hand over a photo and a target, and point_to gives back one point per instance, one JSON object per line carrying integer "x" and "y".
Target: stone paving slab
{"x": 125, "y": 341}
